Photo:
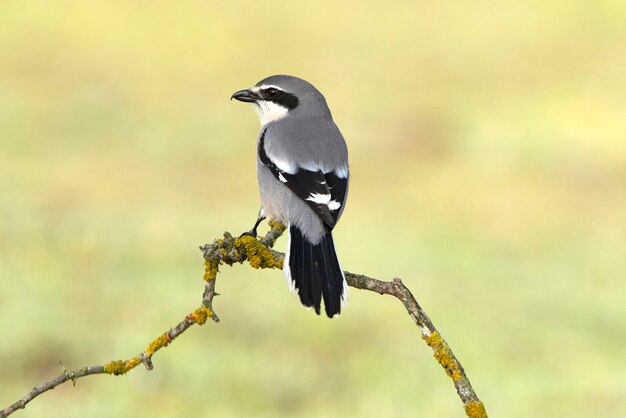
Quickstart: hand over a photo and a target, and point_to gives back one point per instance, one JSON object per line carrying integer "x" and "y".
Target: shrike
{"x": 302, "y": 168}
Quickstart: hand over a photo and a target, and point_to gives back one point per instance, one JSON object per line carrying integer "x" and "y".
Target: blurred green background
{"x": 488, "y": 157}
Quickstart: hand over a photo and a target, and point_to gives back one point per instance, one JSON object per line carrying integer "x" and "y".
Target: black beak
{"x": 247, "y": 96}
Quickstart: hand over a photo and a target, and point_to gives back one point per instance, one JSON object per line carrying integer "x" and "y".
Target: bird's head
{"x": 277, "y": 96}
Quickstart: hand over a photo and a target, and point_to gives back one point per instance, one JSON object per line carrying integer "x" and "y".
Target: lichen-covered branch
{"x": 259, "y": 253}
{"x": 230, "y": 250}
{"x": 115, "y": 367}
{"x": 120, "y": 367}
{"x": 442, "y": 351}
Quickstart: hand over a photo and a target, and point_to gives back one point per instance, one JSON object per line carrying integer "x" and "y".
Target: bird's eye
{"x": 272, "y": 92}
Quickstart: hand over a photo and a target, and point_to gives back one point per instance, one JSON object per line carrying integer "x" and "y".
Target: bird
{"x": 303, "y": 175}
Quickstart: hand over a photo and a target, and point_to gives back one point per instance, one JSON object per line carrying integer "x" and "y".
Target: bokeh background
{"x": 488, "y": 157}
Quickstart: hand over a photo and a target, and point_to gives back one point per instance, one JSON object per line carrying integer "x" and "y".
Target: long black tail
{"x": 315, "y": 272}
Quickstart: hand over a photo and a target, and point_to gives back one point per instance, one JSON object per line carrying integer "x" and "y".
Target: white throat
{"x": 270, "y": 111}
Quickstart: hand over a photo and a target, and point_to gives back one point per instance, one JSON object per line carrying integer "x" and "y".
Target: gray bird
{"x": 302, "y": 168}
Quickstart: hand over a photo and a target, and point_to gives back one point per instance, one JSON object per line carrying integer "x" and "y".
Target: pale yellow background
{"x": 488, "y": 153}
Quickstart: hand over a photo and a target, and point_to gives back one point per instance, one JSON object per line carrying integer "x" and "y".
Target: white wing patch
{"x": 282, "y": 178}
{"x": 334, "y": 205}
{"x": 324, "y": 199}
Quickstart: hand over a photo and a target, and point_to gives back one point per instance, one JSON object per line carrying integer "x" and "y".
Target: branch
{"x": 474, "y": 408}
{"x": 120, "y": 367}
{"x": 259, "y": 254}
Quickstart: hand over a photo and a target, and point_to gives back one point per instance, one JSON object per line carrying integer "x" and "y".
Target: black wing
{"x": 324, "y": 192}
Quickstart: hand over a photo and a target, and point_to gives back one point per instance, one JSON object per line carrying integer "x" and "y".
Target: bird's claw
{"x": 251, "y": 233}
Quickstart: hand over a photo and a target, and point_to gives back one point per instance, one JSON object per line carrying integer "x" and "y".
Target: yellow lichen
{"x": 115, "y": 367}
{"x": 132, "y": 363}
{"x": 256, "y": 253}
{"x": 443, "y": 355}
{"x": 161, "y": 341}
{"x": 211, "y": 268}
{"x": 201, "y": 314}
{"x": 119, "y": 367}
{"x": 475, "y": 410}
{"x": 276, "y": 225}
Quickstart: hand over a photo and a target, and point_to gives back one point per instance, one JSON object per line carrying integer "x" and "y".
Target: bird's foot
{"x": 251, "y": 233}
